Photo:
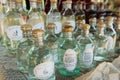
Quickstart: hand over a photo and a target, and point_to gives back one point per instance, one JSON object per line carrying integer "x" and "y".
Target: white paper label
{"x": 44, "y": 70}
{"x": 72, "y": 23}
{"x": 70, "y": 60}
{"x": 88, "y": 55}
{"x": 58, "y": 27}
{"x": 14, "y": 33}
{"x": 38, "y": 26}
{"x": 110, "y": 43}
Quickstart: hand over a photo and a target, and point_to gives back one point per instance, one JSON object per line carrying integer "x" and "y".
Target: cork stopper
{"x": 33, "y": 0}
{"x": 37, "y": 33}
{"x": 69, "y": 2}
{"x": 100, "y": 25}
{"x": 93, "y": 20}
{"x": 51, "y": 26}
{"x": 109, "y": 19}
{"x": 26, "y": 27}
{"x": 18, "y": 1}
{"x": 85, "y": 27}
{"x": 68, "y": 28}
{"x": 53, "y": 1}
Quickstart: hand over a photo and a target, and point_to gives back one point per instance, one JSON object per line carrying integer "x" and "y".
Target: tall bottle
{"x": 50, "y": 40}
{"x": 36, "y": 20}
{"x": 101, "y": 43}
{"x": 86, "y": 49}
{"x": 41, "y": 62}
{"x": 54, "y": 16}
{"x": 68, "y": 53}
{"x": 13, "y": 33}
{"x": 68, "y": 14}
{"x": 91, "y": 12}
{"x": 24, "y": 49}
{"x": 118, "y": 36}
{"x": 111, "y": 33}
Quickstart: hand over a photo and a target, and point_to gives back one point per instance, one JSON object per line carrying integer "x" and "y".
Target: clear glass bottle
{"x": 111, "y": 33}
{"x": 86, "y": 57}
{"x": 54, "y": 16}
{"x": 68, "y": 52}
{"x": 24, "y": 49}
{"x": 50, "y": 40}
{"x": 35, "y": 19}
{"x": 41, "y": 10}
{"x": 68, "y": 14}
{"x": 101, "y": 43}
{"x": 41, "y": 62}
{"x": 13, "y": 33}
{"x": 118, "y": 36}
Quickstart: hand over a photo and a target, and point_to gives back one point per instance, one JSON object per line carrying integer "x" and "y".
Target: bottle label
{"x": 38, "y": 26}
{"x": 70, "y": 59}
{"x": 44, "y": 70}
{"x": 72, "y": 23}
{"x": 88, "y": 55}
{"x": 58, "y": 27}
{"x": 14, "y": 33}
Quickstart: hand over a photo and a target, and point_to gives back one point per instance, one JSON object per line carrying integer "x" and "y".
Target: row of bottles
{"x": 63, "y": 42}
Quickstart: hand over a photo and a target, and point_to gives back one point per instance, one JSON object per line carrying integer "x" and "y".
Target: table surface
{"x": 8, "y": 65}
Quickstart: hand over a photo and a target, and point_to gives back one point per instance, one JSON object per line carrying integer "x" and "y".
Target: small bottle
{"x": 36, "y": 20}
{"x": 68, "y": 53}
{"x": 24, "y": 49}
{"x": 41, "y": 62}
{"x": 101, "y": 11}
{"x": 68, "y": 14}
{"x": 50, "y": 40}
{"x": 101, "y": 43}
{"x": 118, "y": 36}
{"x": 91, "y": 12}
{"x": 54, "y": 16}
{"x": 111, "y": 33}
{"x": 13, "y": 32}
{"x": 86, "y": 49}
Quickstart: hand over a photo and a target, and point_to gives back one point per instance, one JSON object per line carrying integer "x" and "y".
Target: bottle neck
{"x": 67, "y": 35}
{"x": 109, "y": 24}
{"x": 33, "y": 5}
{"x": 85, "y": 33}
{"x": 39, "y": 41}
{"x": 19, "y": 5}
{"x": 51, "y": 31}
{"x": 53, "y": 5}
{"x": 68, "y": 6}
{"x": 101, "y": 31}
{"x": 40, "y": 6}
{"x": 12, "y": 6}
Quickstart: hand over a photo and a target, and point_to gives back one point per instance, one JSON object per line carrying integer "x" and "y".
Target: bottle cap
{"x": 53, "y": 1}
{"x": 26, "y": 27}
{"x": 100, "y": 25}
{"x": 109, "y": 18}
{"x": 68, "y": 28}
{"x": 18, "y": 1}
{"x": 51, "y": 26}
{"x": 33, "y": 0}
{"x": 85, "y": 27}
{"x": 37, "y": 33}
{"x": 69, "y": 2}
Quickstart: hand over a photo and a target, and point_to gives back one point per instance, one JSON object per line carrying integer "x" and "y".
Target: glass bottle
{"x": 41, "y": 63}
{"x": 50, "y": 40}
{"x": 91, "y": 12}
{"x": 35, "y": 19}
{"x": 41, "y": 10}
{"x": 54, "y": 16}
{"x": 68, "y": 63}
{"x": 111, "y": 33}
{"x": 86, "y": 57}
{"x": 24, "y": 49}
{"x": 13, "y": 33}
{"x": 101, "y": 43}
{"x": 20, "y": 10}
{"x": 68, "y": 14}
{"x": 101, "y": 11}
{"x": 118, "y": 36}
